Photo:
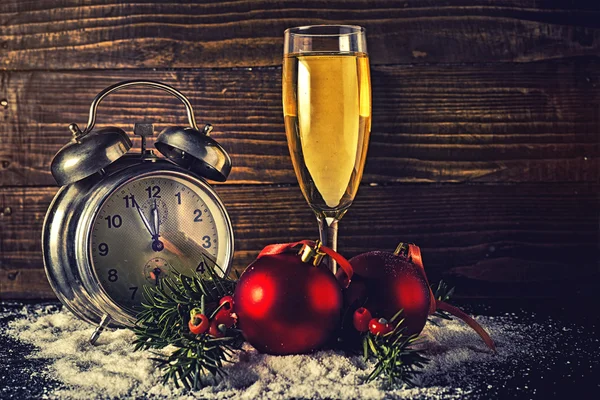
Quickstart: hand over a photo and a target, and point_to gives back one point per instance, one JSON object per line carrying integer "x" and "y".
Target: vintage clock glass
{"x": 161, "y": 222}
{"x": 123, "y": 220}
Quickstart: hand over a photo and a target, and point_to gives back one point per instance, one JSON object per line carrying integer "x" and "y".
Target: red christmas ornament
{"x": 286, "y": 305}
{"x": 386, "y": 283}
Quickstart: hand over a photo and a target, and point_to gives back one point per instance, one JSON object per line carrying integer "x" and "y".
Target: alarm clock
{"x": 123, "y": 220}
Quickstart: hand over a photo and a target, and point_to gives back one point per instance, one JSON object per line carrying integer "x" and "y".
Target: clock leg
{"x": 103, "y": 324}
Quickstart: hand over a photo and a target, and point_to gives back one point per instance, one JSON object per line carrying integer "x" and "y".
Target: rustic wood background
{"x": 485, "y": 147}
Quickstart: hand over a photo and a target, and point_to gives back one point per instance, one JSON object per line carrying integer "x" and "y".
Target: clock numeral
{"x": 133, "y": 291}
{"x": 178, "y": 195}
{"x": 201, "y": 267}
{"x": 207, "y": 242}
{"x": 112, "y": 275}
{"x": 153, "y": 191}
{"x": 130, "y": 201}
{"x": 103, "y": 249}
{"x": 198, "y": 214}
{"x": 114, "y": 221}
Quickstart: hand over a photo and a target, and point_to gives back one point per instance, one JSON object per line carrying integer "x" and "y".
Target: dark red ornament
{"x": 285, "y": 305}
{"x": 386, "y": 283}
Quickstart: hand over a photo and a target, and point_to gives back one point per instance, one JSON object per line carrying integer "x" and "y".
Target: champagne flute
{"x": 327, "y": 112}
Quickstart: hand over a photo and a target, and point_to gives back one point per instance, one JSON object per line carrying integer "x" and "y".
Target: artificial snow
{"x": 111, "y": 369}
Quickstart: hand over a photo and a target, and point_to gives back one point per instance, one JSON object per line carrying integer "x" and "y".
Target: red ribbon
{"x": 344, "y": 264}
{"x": 414, "y": 254}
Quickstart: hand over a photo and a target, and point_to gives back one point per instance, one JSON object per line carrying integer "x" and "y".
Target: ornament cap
{"x": 403, "y": 249}
{"x": 310, "y": 254}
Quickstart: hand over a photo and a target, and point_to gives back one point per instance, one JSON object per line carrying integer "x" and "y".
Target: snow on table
{"x": 460, "y": 365}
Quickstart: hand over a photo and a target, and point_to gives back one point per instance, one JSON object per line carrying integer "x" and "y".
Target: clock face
{"x": 152, "y": 226}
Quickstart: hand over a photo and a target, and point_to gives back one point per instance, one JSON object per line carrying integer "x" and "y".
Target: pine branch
{"x": 396, "y": 360}
{"x": 442, "y": 293}
{"x": 197, "y": 360}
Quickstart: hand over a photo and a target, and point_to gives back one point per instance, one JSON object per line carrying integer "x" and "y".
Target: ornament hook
{"x": 312, "y": 254}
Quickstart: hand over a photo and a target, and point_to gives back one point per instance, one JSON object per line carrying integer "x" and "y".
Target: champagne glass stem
{"x": 328, "y": 232}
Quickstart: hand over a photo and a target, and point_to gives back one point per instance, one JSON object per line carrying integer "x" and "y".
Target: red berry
{"x": 199, "y": 324}
{"x": 228, "y": 301}
{"x": 215, "y": 329}
{"x": 361, "y": 319}
{"x": 380, "y": 326}
{"x": 225, "y": 317}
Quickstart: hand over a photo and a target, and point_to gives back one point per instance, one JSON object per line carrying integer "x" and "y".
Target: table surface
{"x": 569, "y": 368}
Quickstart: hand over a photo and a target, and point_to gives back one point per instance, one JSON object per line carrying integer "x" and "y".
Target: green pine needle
{"x": 396, "y": 359}
{"x": 442, "y": 293}
{"x": 197, "y": 360}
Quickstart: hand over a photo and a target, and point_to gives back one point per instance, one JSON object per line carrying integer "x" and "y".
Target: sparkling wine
{"x": 327, "y": 111}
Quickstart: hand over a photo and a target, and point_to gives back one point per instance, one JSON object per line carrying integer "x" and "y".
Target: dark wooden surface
{"x": 534, "y": 122}
{"x": 485, "y": 147}
{"x": 483, "y": 236}
{"x": 61, "y": 34}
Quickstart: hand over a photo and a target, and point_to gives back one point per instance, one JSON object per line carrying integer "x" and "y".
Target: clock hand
{"x": 157, "y": 245}
{"x": 155, "y": 220}
{"x": 145, "y": 220}
{"x": 170, "y": 246}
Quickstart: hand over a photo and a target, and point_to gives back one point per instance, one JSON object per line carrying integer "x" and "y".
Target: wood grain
{"x": 502, "y": 96}
{"x": 488, "y": 123}
{"x": 65, "y": 34}
{"x": 493, "y": 240}
{"x": 24, "y": 284}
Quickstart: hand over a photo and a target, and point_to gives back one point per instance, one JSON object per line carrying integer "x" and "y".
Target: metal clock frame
{"x": 66, "y": 237}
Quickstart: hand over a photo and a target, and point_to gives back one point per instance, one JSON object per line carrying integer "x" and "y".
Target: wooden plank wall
{"x": 485, "y": 147}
